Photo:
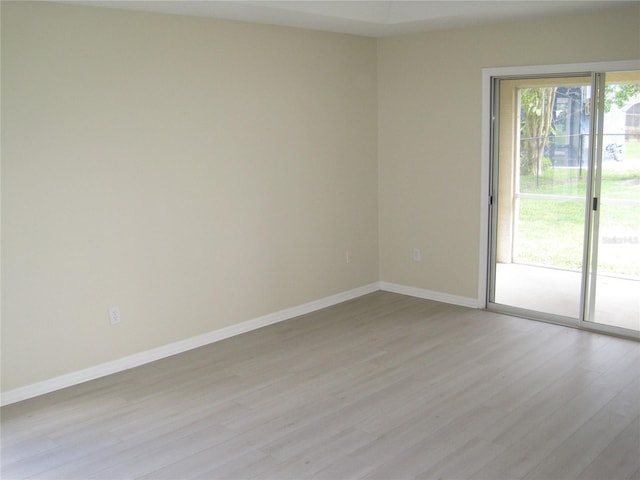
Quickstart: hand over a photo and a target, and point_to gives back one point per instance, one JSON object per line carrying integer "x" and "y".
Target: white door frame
{"x": 485, "y": 167}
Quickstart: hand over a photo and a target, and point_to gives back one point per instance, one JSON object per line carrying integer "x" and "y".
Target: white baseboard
{"x": 148, "y": 356}
{"x": 131, "y": 361}
{"x": 430, "y": 295}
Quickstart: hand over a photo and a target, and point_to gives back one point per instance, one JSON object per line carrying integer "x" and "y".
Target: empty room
{"x": 320, "y": 239}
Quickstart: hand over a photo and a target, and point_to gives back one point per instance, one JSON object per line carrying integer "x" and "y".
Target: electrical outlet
{"x": 348, "y": 258}
{"x": 417, "y": 255}
{"x": 114, "y": 315}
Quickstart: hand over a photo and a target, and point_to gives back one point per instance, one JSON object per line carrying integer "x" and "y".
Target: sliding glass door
{"x": 615, "y": 260}
{"x": 565, "y": 198}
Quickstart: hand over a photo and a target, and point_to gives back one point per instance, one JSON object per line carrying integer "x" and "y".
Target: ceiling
{"x": 372, "y": 18}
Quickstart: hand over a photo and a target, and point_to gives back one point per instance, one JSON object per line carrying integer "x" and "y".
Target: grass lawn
{"x": 551, "y": 232}
{"x": 632, "y": 149}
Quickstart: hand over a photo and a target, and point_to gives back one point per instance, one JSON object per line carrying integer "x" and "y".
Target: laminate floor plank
{"x": 620, "y": 459}
{"x": 463, "y": 461}
{"x": 308, "y": 461}
{"x": 199, "y": 465}
{"x": 436, "y": 444}
{"x": 539, "y": 444}
{"x": 576, "y": 453}
{"x": 382, "y": 386}
{"x": 518, "y": 422}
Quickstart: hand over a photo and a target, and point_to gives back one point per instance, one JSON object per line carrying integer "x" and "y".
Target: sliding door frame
{"x": 592, "y": 219}
{"x": 486, "y": 195}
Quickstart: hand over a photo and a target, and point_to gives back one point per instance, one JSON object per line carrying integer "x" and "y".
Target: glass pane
{"x": 554, "y": 156}
{"x": 617, "y": 289}
{"x": 542, "y": 183}
{"x": 550, "y": 233}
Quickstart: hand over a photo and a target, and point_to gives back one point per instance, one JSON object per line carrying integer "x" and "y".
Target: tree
{"x": 620, "y": 94}
{"x": 537, "y": 107}
{"x": 536, "y": 116}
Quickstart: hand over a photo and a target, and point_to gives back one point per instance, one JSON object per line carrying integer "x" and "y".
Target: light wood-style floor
{"x": 380, "y": 387}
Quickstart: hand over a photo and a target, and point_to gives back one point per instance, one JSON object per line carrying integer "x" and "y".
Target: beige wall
{"x": 430, "y": 100}
{"x": 196, "y": 173}
{"x": 199, "y": 173}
